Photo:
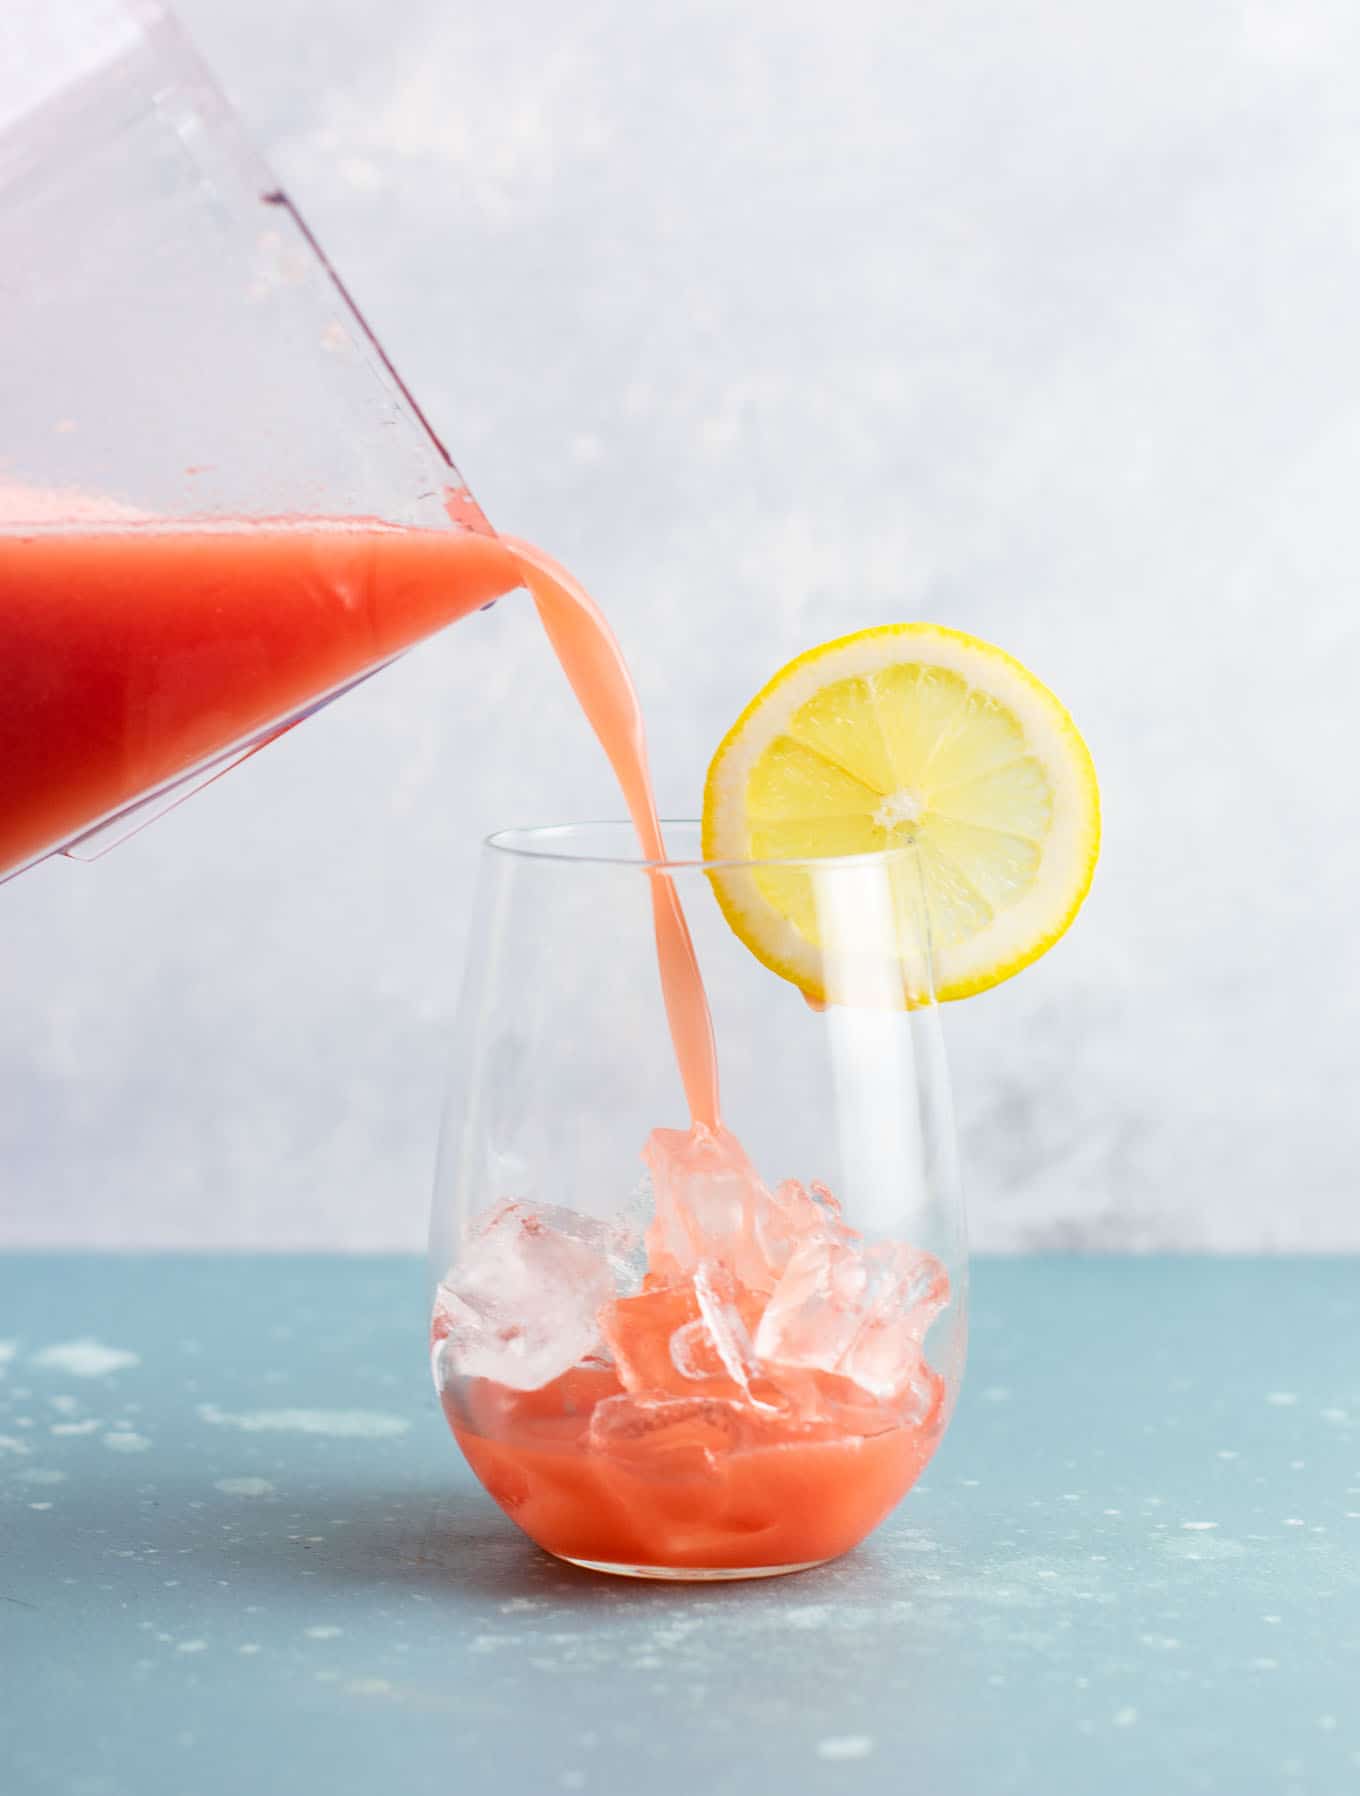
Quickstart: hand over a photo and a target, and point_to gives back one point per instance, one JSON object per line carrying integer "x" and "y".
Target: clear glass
{"x": 183, "y": 363}
{"x": 733, "y": 1358}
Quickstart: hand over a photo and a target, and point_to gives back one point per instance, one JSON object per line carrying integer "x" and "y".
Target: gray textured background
{"x": 772, "y": 322}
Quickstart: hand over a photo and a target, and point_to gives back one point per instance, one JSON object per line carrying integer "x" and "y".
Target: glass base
{"x": 691, "y": 1574}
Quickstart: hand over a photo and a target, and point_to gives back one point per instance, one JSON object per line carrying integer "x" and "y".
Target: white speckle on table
{"x": 123, "y": 1440}
{"x": 323, "y": 1633}
{"x": 244, "y": 1487}
{"x": 369, "y": 1687}
{"x": 64, "y": 1406}
{"x": 1208, "y": 1548}
{"x": 573, "y": 1780}
{"x": 1228, "y": 1453}
{"x": 87, "y": 1427}
{"x": 806, "y": 1615}
{"x": 10, "y": 1443}
{"x": 1162, "y": 1643}
{"x": 1197, "y": 1526}
{"x": 1124, "y": 1717}
{"x": 996, "y": 1393}
{"x": 838, "y": 1747}
{"x": 517, "y": 1604}
{"x": 1112, "y": 1512}
{"x": 1282, "y": 1399}
{"x": 1264, "y": 1664}
{"x": 248, "y": 1649}
{"x": 85, "y": 1358}
{"x": 8, "y": 1349}
{"x": 40, "y": 1505}
{"x": 1335, "y": 1415}
{"x": 341, "y": 1424}
{"x": 40, "y": 1474}
{"x": 192, "y": 1646}
{"x": 1327, "y": 1723}
{"x": 1293, "y": 1521}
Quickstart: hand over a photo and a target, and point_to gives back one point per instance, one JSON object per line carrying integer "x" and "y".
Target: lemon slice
{"x": 906, "y": 735}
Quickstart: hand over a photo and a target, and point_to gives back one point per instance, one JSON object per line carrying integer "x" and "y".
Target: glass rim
{"x": 554, "y": 842}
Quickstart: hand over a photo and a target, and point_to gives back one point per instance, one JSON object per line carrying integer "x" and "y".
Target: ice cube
{"x": 906, "y": 1290}
{"x": 688, "y": 1339}
{"x": 856, "y": 1313}
{"x": 791, "y": 1215}
{"x": 639, "y": 1330}
{"x": 693, "y": 1353}
{"x": 520, "y": 1304}
{"x": 707, "y": 1197}
{"x": 722, "y": 1299}
{"x": 671, "y": 1437}
{"x": 814, "y": 1314}
{"x": 828, "y": 1207}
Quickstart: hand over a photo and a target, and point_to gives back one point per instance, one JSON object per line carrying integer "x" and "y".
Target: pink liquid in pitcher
{"x": 133, "y": 652}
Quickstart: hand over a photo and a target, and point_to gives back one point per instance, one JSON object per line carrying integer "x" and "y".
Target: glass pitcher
{"x": 219, "y": 505}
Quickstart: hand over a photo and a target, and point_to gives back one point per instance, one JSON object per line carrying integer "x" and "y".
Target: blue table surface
{"x": 239, "y": 1553}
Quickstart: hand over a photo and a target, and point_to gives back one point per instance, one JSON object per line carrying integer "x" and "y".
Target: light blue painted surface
{"x": 1053, "y": 1612}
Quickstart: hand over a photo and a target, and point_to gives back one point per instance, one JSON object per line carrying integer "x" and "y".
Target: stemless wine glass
{"x": 691, "y": 1352}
